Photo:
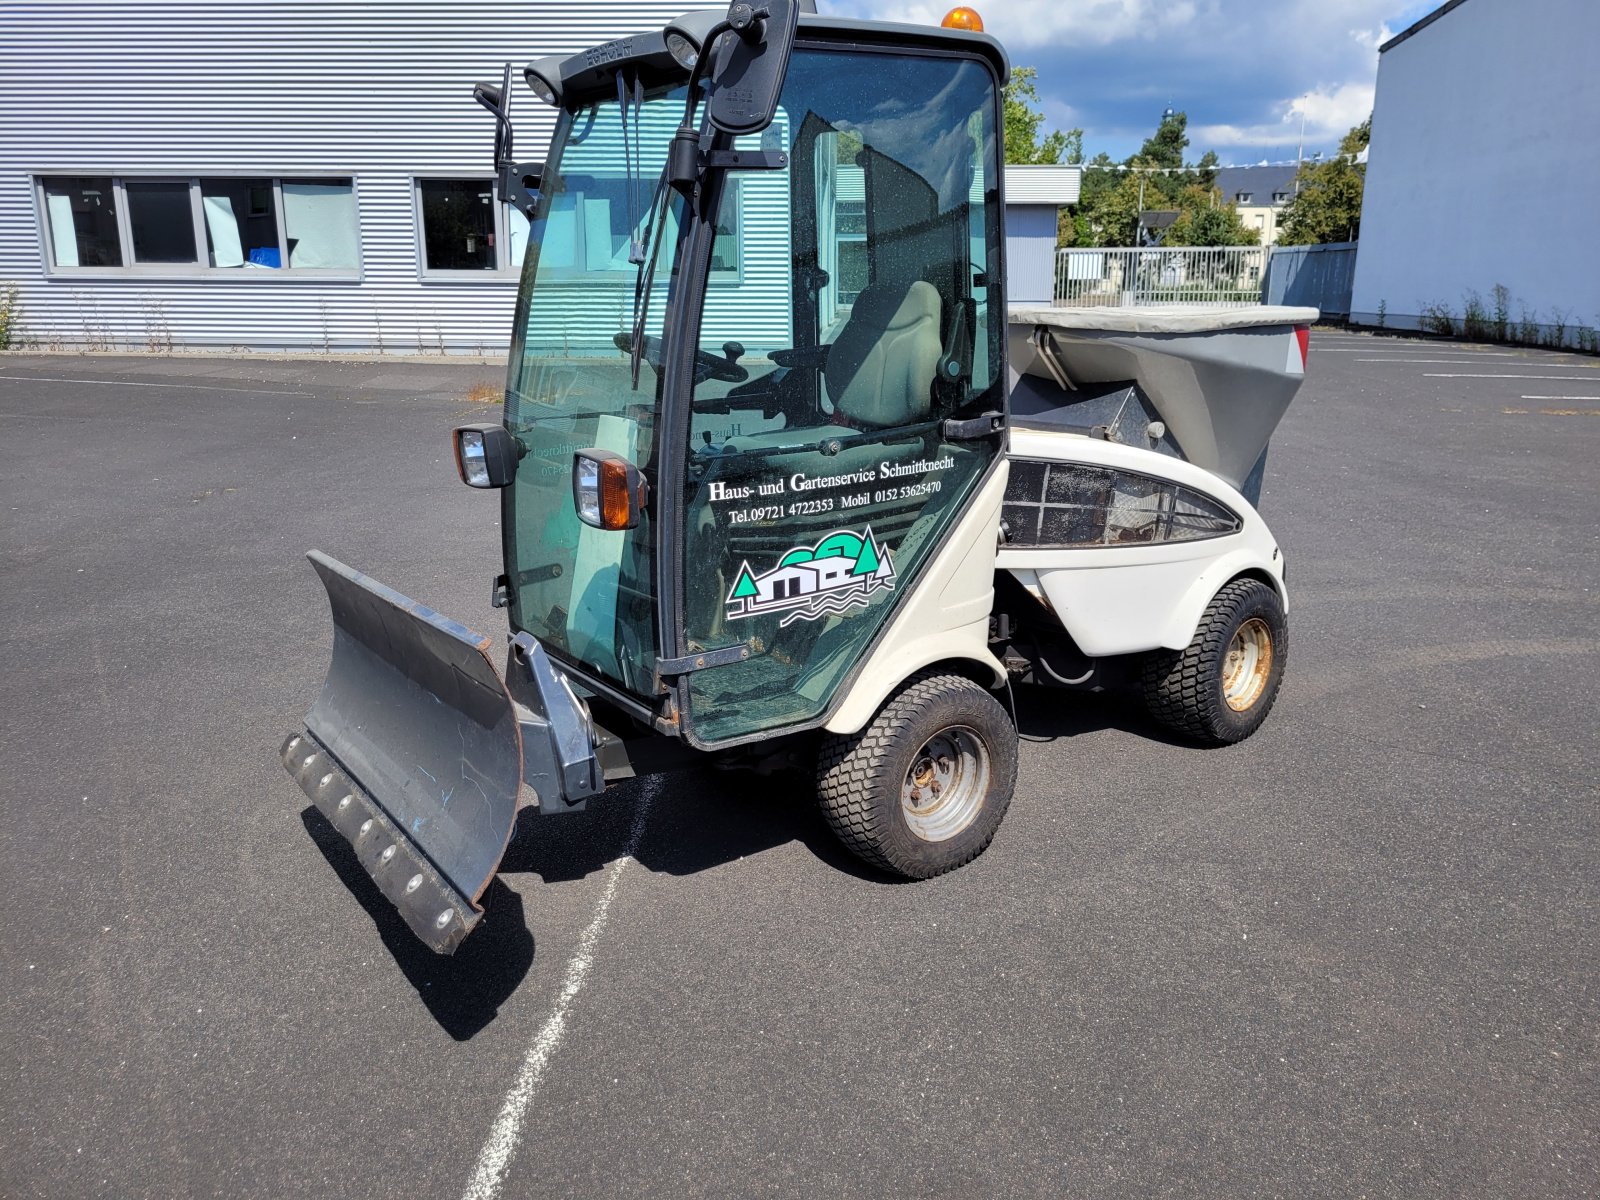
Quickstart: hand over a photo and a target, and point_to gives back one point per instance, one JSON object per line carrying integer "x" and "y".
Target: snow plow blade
{"x": 413, "y": 752}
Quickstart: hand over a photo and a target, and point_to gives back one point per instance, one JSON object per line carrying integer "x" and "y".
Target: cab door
{"x": 853, "y": 292}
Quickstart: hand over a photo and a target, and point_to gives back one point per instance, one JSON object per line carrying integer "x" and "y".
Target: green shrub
{"x": 10, "y": 316}
{"x": 1437, "y": 318}
{"x": 1502, "y": 311}
{"x": 1558, "y": 329}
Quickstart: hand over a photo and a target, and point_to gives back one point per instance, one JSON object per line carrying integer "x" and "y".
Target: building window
{"x": 464, "y": 231}
{"x": 161, "y": 220}
{"x": 727, "y": 249}
{"x": 1244, "y": 197}
{"x": 319, "y": 223}
{"x": 81, "y": 213}
{"x": 241, "y": 222}
{"x": 850, "y": 229}
{"x": 458, "y": 224}
{"x": 204, "y": 226}
{"x": 1280, "y": 197}
{"x": 586, "y": 230}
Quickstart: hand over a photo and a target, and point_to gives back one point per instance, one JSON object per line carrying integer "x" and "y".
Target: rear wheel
{"x": 1220, "y": 688}
{"x": 922, "y": 789}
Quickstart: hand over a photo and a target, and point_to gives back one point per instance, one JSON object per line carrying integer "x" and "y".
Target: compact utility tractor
{"x": 784, "y": 484}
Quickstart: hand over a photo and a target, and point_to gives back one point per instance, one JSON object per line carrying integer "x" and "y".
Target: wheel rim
{"x": 1248, "y": 664}
{"x": 945, "y": 785}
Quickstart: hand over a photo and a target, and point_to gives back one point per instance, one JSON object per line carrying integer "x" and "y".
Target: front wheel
{"x": 922, "y": 789}
{"x": 1220, "y": 688}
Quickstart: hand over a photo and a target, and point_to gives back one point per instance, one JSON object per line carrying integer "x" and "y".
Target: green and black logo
{"x": 838, "y": 573}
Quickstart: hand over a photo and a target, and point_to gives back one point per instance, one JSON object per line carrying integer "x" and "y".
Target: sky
{"x": 1243, "y": 70}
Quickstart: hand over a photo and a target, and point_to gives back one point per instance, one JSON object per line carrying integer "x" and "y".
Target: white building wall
{"x": 378, "y": 92}
{"x": 1483, "y": 168}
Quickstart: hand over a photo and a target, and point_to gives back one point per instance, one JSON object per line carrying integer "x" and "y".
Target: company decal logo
{"x": 839, "y": 573}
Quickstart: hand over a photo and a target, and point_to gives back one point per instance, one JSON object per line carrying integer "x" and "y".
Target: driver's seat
{"x": 880, "y": 368}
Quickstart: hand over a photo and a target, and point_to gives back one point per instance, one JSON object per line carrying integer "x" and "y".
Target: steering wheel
{"x": 726, "y": 368}
{"x": 706, "y": 366}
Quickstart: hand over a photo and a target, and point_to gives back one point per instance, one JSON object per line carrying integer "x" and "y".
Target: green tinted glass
{"x": 589, "y": 593}
{"x": 820, "y": 479}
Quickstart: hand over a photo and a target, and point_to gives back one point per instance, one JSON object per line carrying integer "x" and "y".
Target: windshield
{"x": 588, "y": 593}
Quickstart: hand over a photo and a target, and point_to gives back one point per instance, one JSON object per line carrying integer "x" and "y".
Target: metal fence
{"x": 1219, "y": 275}
{"x": 1315, "y": 276}
{"x": 1310, "y": 276}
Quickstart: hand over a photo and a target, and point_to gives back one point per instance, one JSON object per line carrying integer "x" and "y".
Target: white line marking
{"x": 506, "y": 1134}
{"x": 1561, "y": 397}
{"x": 1463, "y": 375}
{"x": 1391, "y": 359}
{"x": 199, "y": 387}
{"x": 1409, "y": 350}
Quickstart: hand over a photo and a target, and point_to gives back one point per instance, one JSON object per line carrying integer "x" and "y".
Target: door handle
{"x": 973, "y": 427}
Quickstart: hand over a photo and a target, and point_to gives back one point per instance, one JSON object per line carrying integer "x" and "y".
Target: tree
{"x": 1112, "y": 195}
{"x": 1205, "y": 225}
{"x": 1114, "y": 216}
{"x": 1165, "y": 147}
{"x": 1156, "y": 178}
{"x": 1327, "y": 203}
{"x": 1024, "y": 122}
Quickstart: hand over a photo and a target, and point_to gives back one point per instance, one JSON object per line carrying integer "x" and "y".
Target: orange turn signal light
{"x": 963, "y": 18}
{"x": 616, "y": 504}
{"x": 608, "y": 490}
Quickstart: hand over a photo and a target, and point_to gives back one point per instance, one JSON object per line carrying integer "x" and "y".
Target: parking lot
{"x": 1354, "y": 955}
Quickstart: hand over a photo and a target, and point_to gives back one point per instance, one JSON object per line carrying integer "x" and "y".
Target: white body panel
{"x": 1126, "y": 599}
{"x": 946, "y": 616}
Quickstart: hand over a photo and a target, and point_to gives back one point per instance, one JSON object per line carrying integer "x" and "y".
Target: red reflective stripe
{"x": 1303, "y": 334}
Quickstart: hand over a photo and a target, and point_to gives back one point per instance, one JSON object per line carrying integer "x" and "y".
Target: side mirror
{"x": 748, "y": 71}
{"x": 486, "y": 455}
{"x": 607, "y": 489}
{"x": 514, "y": 182}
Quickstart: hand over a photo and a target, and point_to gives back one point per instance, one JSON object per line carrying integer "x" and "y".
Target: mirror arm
{"x": 512, "y": 180}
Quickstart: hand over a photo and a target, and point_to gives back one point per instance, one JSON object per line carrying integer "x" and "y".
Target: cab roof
{"x": 591, "y": 71}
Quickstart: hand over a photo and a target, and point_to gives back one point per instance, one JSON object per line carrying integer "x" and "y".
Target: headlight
{"x": 486, "y": 455}
{"x": 683, "y": 51}
{"x": 544, "y": 79}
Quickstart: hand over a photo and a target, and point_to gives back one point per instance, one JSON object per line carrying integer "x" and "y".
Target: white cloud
{"x": 1060, "y": 116}
{"x": 1029, "y": 23}
{"x": 1243, "y": 70}
{"x": 1329, "y": 113}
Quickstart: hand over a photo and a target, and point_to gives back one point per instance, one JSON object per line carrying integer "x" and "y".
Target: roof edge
{"x": 1418, "y": 26}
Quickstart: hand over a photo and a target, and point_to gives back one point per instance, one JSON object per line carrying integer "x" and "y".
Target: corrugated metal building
{"x": 302, "y": 176}
{"x": 1034, "y": 197}
{"x": 255, "y": 175}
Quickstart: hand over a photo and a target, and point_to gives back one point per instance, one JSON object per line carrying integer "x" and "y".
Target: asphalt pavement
{"x": 1355, "y": 955}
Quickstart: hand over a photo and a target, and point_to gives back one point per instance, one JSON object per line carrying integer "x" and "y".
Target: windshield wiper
{"x": 686, "y": 134}
{"x": 644, "y": 279}
{"x": 632, "y": 162}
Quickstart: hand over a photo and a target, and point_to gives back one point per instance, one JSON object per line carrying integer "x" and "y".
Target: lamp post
{"x": 1300, "y": 152}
